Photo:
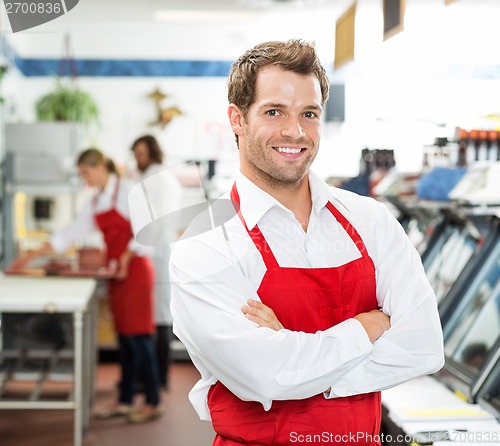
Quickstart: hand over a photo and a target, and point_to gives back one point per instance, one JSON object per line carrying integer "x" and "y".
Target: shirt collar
{"x": 321, "y": 193}
{"x": 255, "y": 203}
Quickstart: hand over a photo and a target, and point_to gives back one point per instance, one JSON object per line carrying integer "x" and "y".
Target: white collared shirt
{"x": 213, "y": 274}
{"x": 84, "y": 223}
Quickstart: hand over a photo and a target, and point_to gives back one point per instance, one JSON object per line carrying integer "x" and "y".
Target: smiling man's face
{"x": 279, "y": 137}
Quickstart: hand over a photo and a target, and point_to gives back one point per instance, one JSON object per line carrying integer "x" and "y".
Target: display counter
{"x": 74, "y": 298}
{"x": 424, "y": 411}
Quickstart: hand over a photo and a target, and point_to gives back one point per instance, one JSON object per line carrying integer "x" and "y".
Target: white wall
{"x": 126, "y": 111}
{"x": 394, "y": 94}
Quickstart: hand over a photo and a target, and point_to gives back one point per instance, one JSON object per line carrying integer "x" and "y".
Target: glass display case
{"x": 471, "y": 327}
{"x": 420, "y": 225}
{"x": 418, "y": 220}
{"x": 488, "y": 395}
{"x": 456, "y": 243}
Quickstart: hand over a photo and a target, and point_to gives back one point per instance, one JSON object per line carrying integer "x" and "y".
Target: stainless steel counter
{"x": 54, "y": 295}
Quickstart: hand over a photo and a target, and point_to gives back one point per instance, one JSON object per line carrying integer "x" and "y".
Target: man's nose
{"x": 292, "y": 128}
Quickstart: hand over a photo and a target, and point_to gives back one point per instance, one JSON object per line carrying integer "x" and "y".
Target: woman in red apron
{"x": 305, "y": 299}
{"x": 130, "y": 293}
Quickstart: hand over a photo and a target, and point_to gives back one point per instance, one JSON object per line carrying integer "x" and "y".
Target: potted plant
{"x": 67, "y": 103}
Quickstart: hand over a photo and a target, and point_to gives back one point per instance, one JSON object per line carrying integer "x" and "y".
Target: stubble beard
{"x": 265, "y": 169}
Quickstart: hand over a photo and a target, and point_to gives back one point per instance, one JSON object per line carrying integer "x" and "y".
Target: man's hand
{"x": 261, "y": 314}
{"x": 375, "y": 323}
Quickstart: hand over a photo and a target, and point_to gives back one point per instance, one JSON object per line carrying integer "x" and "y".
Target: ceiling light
{"x": 204, "y": 16}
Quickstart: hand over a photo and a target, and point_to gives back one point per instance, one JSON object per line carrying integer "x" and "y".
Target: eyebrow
{"x": 272, "y": 105}
{"x": 314, "y": 108}
{"x": 280, "y": 105}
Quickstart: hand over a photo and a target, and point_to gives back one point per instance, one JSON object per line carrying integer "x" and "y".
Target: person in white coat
{"x": 149, "y": 158}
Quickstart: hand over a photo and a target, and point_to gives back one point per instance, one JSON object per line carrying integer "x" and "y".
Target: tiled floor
{"x": 179, "y": 426}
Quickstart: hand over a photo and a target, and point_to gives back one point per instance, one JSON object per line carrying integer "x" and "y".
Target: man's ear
{"x": 235, "y": 119}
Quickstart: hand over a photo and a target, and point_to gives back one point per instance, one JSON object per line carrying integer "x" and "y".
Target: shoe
{"x": 121, "y": 410}
{"x": 145, "y": 414}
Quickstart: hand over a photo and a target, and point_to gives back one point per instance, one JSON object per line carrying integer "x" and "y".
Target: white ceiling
{"x": 122, "y": 8}
{"x": 125, "y": 12}
{"x": 115, "y": 11}
{"x": 217, "y": 29}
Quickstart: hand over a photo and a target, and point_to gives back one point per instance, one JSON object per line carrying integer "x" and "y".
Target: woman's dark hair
{"x": 93, "y": 157}
{"x": 154, "y": 149}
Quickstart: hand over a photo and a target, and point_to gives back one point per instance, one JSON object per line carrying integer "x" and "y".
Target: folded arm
{"x": 257, "y": 364}
{"x": 374, "y": 322}
{"x": 407, "y": 344}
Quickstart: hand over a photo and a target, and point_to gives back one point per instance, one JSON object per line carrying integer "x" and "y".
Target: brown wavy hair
{"x": 154, "y": 149}
{"x": 294, "y": 55}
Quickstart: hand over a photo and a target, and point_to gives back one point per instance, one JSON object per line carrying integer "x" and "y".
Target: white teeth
{"x": 287, "y": 150}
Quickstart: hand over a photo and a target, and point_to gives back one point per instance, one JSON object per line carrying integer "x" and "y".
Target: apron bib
{"x": 131, "y": 299}
{"x": 305, "y": 299}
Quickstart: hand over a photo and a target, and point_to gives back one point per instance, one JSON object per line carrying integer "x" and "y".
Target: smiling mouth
{"x": 291, "y": 150}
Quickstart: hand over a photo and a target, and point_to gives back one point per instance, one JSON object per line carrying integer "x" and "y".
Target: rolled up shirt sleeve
{"x": 80, "y": 227}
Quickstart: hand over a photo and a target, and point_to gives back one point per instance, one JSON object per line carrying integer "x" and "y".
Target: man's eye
{"x": 310, "y": 114}
{"x": 272, "y": 112}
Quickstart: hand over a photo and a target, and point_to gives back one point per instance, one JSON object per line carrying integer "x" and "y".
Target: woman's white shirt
{"x": 102, "y": 201}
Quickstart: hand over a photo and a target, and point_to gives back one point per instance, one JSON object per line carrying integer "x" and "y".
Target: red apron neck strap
{"x": 355, "y": 237}
{"x": 255, "y": 234}
{"x": 264, "y": 249}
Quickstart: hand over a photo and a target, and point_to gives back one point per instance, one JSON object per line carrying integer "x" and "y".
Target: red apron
{"x": 305, "y": 299}
{"x": 131, "y": 299}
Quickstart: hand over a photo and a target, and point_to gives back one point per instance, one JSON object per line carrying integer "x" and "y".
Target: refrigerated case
{"x": 471, "y": 327}
{"x": 419, "y": 219}
{"x": 458, "y": 241}
{"x": 470, "y": 314}
{"x": 462, "y": 262}
{"x": 489, "y": 391}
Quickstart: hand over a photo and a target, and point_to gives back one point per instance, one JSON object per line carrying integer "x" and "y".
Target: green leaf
{"x": 67, "y": 103}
